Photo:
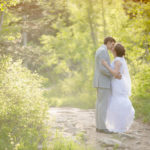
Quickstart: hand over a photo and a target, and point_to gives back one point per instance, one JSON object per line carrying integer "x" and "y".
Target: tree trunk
{"x": 24, "y": 33}
{"x": 103, "y": 16}
{"x": 91, "y": 23}
{"x": 24, "y": 38}
{"x": 1, "y": 21}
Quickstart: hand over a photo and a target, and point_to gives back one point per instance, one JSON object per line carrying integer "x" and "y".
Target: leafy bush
{"x": 142, "y": 82}
{"x": 22, "y": 107}
{"x": 141, "y": 92}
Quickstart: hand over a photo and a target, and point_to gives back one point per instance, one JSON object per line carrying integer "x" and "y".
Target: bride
{"x": 120, "y": 114}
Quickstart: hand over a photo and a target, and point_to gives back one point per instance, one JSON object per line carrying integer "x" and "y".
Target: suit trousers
{"x": 102, "y": 102}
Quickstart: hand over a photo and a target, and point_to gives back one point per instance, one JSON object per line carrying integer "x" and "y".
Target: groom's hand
{"x": 118, "y": 76}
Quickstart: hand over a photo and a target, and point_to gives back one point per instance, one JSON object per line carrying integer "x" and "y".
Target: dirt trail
{"x": 73, "y": 121}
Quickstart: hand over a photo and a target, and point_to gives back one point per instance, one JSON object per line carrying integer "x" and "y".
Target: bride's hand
{"x": 104, "y": 63}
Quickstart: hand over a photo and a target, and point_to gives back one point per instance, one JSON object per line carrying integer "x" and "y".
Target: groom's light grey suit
{"x": 102, "y": 81}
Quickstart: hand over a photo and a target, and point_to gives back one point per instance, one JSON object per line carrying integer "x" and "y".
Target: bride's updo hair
{"x": 120, "y": 50}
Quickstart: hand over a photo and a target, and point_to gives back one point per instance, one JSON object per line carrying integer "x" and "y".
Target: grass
{"x": 142, "y": 108}
{"x": 68, "y": 143}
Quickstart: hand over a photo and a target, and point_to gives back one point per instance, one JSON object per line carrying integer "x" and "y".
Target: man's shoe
{"x": 104, "y": 131}
{"x": 107, "y": 131}
{"x": 100, "y": 130}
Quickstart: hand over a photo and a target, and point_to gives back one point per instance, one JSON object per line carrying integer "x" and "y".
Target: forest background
{"x": 47, "y": 50}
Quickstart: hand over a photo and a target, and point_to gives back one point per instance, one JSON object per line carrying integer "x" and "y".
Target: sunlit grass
{"x": 67, "y": 143}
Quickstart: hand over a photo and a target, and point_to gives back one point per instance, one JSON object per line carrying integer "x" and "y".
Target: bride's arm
{"x": 114, "y": 71}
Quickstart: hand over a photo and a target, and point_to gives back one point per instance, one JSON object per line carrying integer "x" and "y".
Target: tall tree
{"x": 103, "y": 16}
{"x": 1, "y": 20}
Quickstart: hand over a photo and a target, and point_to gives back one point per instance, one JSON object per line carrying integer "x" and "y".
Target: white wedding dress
{"x": 120, "y": 114}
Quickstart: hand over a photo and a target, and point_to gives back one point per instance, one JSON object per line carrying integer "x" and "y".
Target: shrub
{"x": 141, "y": 92}
{"x": 22, "y": 107}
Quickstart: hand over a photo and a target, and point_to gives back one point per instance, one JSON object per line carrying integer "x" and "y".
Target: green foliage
{"x": 62, "y": 143}
{"x": 141, "y": 92}
{"x": 142, "y": 82}
{"x": 62, "y": 37}
{"x": 5, "y": 4}
{"x": 73, "y": 91}
{"x": 22, "y": 107}
{"x": 70, "y": 73}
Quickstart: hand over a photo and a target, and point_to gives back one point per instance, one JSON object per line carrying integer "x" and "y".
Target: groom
{"x": 102, "y": 81}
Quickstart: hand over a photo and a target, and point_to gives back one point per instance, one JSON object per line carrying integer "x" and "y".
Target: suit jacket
{"x": 102, "y": 77}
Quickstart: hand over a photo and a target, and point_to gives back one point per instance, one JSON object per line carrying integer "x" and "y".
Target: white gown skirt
{"x": 120, "y": 114}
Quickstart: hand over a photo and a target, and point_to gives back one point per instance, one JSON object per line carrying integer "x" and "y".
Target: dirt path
{"x": 73, "y": 121}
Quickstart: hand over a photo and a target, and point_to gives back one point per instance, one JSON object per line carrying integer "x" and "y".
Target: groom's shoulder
{"x": 101, "y": 49}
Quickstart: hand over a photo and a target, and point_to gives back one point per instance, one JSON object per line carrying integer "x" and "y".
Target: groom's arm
{"x": 103, "y": 69}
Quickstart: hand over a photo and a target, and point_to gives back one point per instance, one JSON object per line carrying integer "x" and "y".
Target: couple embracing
{"x": 114, "y": 110}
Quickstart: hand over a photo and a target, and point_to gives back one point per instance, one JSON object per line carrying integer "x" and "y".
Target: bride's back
{"x": 120, "y": 86}
{"x": 120, "y": 59}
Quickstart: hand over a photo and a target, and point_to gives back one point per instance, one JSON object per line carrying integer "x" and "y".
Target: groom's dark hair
{"x": 109, "y": 39}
